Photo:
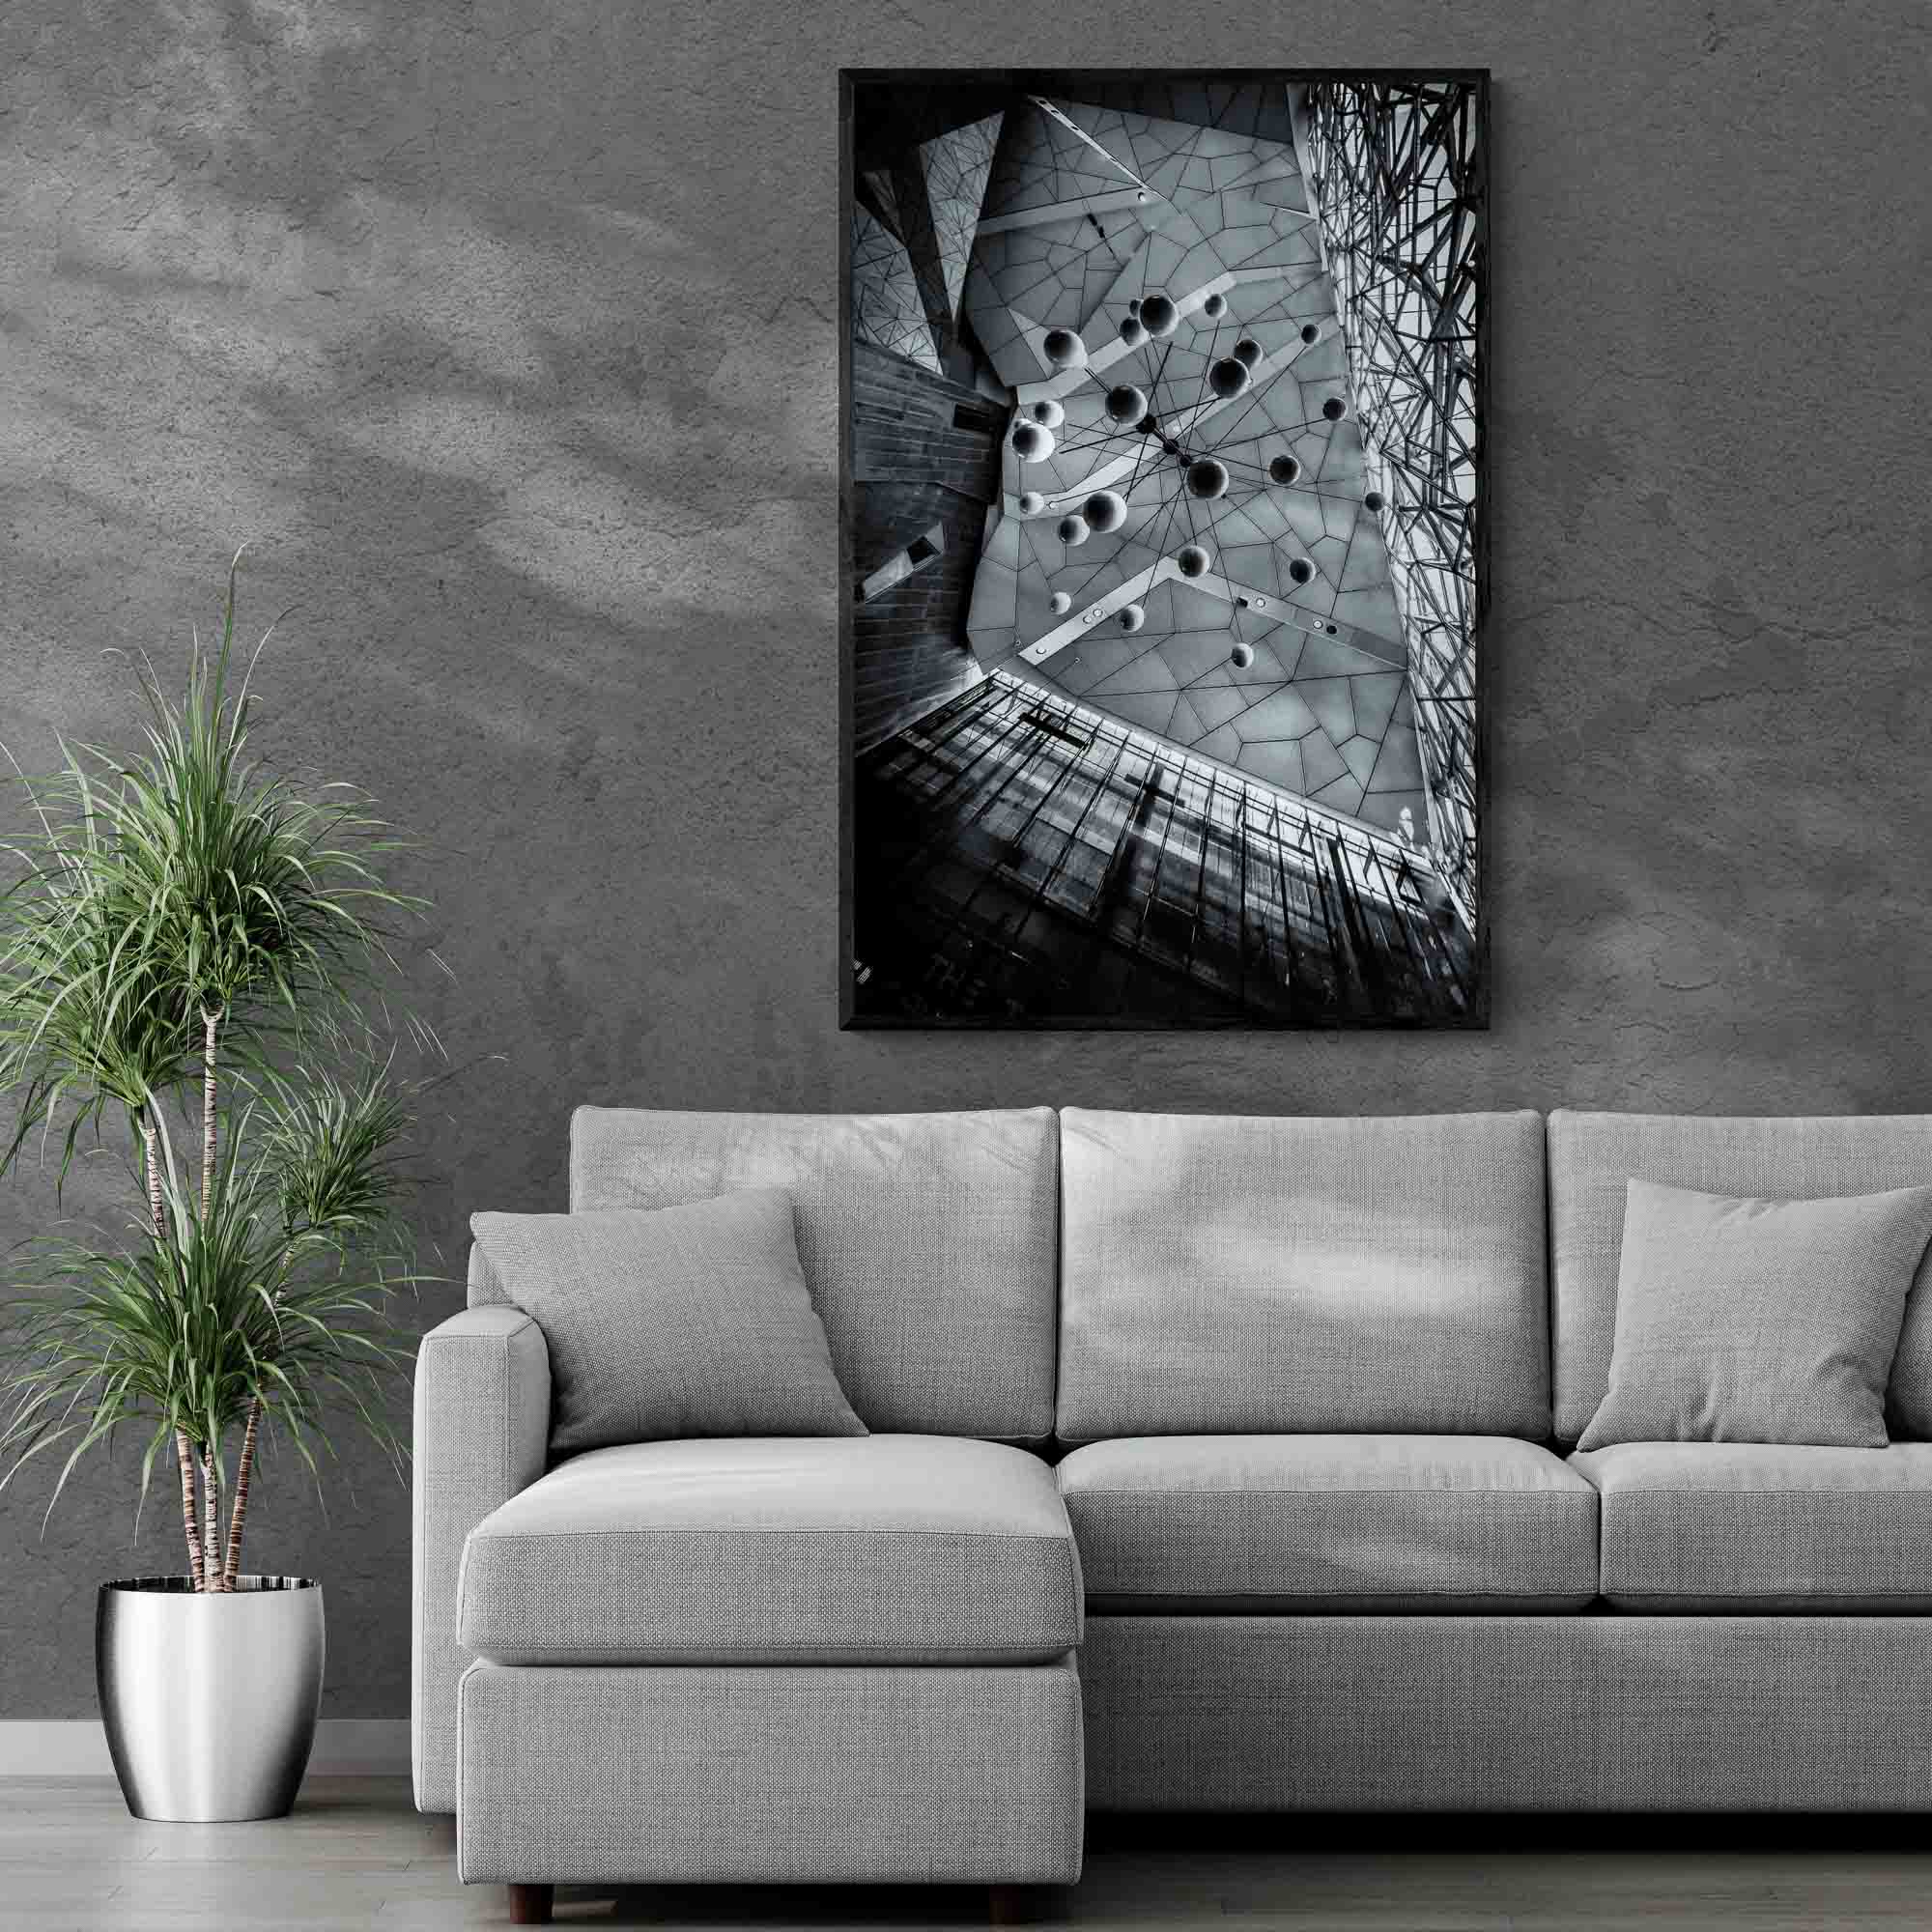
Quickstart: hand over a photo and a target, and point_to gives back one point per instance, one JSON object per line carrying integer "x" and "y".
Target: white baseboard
{"x": 77, "y": 1747}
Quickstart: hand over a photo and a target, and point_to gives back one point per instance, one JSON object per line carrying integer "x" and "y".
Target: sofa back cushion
{"x": 1242, "y": 1275}
{"x": 927, "y": 1239}
{"x": 1593, "y": 1158}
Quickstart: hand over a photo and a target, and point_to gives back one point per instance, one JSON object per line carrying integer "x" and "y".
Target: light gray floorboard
{"x": 356, "y": 1855}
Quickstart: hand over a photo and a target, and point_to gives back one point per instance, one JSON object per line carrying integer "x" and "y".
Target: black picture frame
{"x": 860, "y": 90}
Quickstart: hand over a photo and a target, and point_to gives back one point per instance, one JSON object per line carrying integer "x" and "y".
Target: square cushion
{"x": 928, "y": 1242}
{"x": 1740, "y": 1527}
{"x": 688, "y": 1320}
{"x": 1749, "y": 1321}
{"x": 1254, "y": 1523}
{"x": 853, "y": 1549}
{"x": 1227, "y": 1275}
{"x": 1594, "y": 1157}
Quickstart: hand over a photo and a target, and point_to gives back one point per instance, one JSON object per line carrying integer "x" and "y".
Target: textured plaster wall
{"x": 507, "y": 334}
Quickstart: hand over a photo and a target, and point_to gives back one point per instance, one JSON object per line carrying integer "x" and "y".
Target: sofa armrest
{"x": 482, "y": 1432}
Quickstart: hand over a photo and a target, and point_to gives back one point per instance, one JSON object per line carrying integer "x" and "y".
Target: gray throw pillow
{"x": 672, "y": 1322}
{"x": 1742, "y": 1321}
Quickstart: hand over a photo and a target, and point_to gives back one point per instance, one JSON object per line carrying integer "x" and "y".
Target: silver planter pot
{"x": 209, "y": 1700}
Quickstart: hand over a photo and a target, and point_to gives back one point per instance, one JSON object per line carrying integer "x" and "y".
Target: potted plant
{"x": 186, "y": 950}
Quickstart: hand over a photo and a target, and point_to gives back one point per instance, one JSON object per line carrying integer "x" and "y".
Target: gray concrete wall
{"x": 507, "y": 334}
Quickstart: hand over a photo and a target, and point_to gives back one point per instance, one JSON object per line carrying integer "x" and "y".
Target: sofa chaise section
{"x": 836, "y": 1550}
{"x": 837, "y": 1659}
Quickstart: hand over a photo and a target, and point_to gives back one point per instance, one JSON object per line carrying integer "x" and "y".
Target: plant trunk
{"x": 150, "y": 1160}
{"x": 209, "y": 1024}
{"x": 238, "y": 1514}
{"x": 212, "y": 1560}
{"x": 185, "y": 1458}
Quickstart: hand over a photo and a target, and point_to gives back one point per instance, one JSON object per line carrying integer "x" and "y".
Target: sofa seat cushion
{"x": 1739, "y": 1526}
{"x": 914, "y": 1548}
{"x": 1376, "y": 1523}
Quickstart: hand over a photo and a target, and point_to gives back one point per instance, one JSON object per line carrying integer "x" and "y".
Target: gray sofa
{"x": 1315, "y": 1537}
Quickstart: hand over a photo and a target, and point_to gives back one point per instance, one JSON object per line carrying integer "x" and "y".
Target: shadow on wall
{"x": 509, "y": 336}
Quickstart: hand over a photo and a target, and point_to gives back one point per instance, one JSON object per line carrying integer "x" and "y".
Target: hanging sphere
{"x": 1064, "y": 349}
{"x": 1214, "y": 307}
{"x": 1060, "y": 603}
{"x": 1241, "y": 656}
{"x": 1372, "y": 501}
{"x": 1193, "y": 559}
{"x": 1126, "y": 404}
{"x": 1228, "y": 378}
{"x": 1031, "y": 503}
{"x": 1134, "y": 307}
{"x": 1048, "y": 413}
{"x": 1310, "y": 333}
{"x": 1132, "y": 333}
{"x": 1158, "y": 315}
{"x": 1033, "y": 442}
{"x": 1301, "y": 570}
{"x": 1334, "y": 408}
{"x": 1105, "y": 511}
{"x": 1283, "y": 470}
{"x": 1132, "y": 617}
{"x": 1073, "y": 531}
{"x": 1207, "y": 477}
{"x": 1247, "y": 352}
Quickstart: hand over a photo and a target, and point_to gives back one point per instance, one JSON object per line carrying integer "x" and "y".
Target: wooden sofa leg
{"x": 530, "y": 1904}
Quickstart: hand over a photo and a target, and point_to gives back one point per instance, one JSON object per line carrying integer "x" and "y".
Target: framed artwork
{"x": 1163, "y": 548}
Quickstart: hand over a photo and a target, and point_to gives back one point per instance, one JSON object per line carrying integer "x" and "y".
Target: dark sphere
{"x": 1310, "y": 333}
{"x": 1334, "y": 408}
{"x": 1284, "y": 469}
{"x": 1158, "y": 315}
{"x": 1207, "y": 477}
{"x": 1193, "y": 559}
{"x": 1248, "y": 350}
{"x": 1064, "y": 349}
{"x": 1241, "y": 656}
{"x": 1132, "y": 333}
{"x": 1372, "y": 501}
{"x": 1301, "y": 570}
{"x": 1126, "y": 404}
{"x": 1214, "y": 307}
{"x": 1105, "y": 511}
{"x": 1228, "y": 378}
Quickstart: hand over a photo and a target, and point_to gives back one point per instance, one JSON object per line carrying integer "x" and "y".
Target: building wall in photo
{"x": 511, "y": 344}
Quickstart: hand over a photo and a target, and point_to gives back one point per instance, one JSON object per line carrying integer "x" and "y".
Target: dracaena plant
{"x": 189, "y": 948}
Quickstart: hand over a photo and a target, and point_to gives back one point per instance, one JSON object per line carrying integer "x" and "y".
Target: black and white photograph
{"x": 1163, "y": 523}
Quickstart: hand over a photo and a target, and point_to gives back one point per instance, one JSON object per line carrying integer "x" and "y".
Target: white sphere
{"x": 1033, "y": 442}
{"x": 1048, "y": 412}
{"x": 1060, "y": 603}
{"x": 1241, "y": 656}
{"x": 1031, "y": 503}
{"x": 1073, "y": 531}
{"x": 1132, "y": 617}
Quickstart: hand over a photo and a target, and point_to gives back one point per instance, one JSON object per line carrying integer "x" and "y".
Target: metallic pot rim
{"x": 179, "y": 1586}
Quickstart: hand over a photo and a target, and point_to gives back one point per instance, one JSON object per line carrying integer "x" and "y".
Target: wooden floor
{"x": 355, "y": 1854}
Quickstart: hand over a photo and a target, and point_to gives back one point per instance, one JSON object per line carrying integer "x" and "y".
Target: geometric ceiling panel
{"x": 1189, "y": 536}
{"x": 888, "y": 309}
{"x": 955, "y": 166}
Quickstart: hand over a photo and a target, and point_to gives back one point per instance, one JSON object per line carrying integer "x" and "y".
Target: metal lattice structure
{"x": 1398, "y": 174}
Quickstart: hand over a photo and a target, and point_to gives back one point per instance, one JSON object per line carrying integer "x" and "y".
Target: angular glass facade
{"x": 1025, "y": 856}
